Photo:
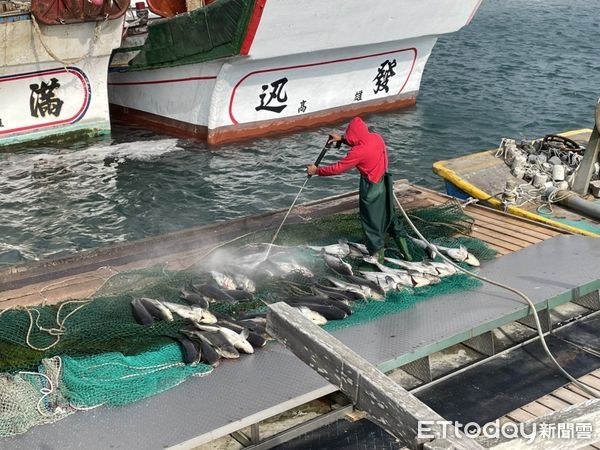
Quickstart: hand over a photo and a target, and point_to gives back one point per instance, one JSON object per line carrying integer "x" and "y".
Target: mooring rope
{"x": 67, "y": 62}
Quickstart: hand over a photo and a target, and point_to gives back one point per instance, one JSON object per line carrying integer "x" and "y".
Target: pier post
{"x": 590, "y": 157}
{"x": 386, "y": 402}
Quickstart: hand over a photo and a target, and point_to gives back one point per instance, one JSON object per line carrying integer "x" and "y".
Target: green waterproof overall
{"x": 377, "y": 212}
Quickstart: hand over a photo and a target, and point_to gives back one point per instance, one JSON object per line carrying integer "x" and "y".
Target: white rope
{"x": 49, "y": 390}
{"x": 67, "y": 62}
{"x": 590, "y": 390}
{"x": 60, "y": 328}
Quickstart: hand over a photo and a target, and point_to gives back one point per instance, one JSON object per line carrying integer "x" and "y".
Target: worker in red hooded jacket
{"x": 376, "y": 202}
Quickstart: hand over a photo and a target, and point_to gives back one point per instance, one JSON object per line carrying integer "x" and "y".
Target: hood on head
{"x": 357, "y": 132}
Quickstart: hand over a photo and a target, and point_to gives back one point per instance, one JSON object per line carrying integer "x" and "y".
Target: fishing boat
{"x": 53, "y": 66}
{"x": 237, "y": 69}
{"x": 553, "y": 180}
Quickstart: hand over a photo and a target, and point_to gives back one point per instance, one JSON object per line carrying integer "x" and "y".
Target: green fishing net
{"x": 116, "y": 379}
{"x": 107, "y": 358}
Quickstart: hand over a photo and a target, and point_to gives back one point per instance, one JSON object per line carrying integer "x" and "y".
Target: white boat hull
{"x": 42, "y": 96}
{"x": 279, "y": 85}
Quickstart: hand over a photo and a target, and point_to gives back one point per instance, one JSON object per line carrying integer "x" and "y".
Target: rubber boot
{"x": 403, "y": 247}
{"x": 380, "y": 255}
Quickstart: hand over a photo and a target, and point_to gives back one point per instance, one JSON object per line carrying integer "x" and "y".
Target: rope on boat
{"x": 590, "y": 390}
{"x": 67, "y": 62}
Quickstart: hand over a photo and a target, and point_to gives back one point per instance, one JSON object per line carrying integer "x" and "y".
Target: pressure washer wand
{"x": 321, "y": 155}
{"x": 308, "y": 177}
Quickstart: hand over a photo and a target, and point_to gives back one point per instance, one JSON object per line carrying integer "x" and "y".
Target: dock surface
{"x": 243, "y": 392}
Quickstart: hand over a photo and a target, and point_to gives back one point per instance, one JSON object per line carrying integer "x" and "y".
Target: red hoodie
{"x": 368, "y": 154}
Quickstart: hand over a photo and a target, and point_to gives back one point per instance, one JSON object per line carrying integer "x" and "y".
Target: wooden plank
{"x": 501, "y": 231}
{"x": 495, "y": 241}
{"x": 577, "y": 390}
{"x": 507, "y": 238}
{"x": 515, "y": 220}
{"x": 591, "y": 381}
{"x": 587, "y": 412}
{"x": 521, "y": 227}
{"x": 502, "y": 420}
{"x": 498, "y": 213}
{"x": 511, "y": 230}
{"x": 520, "y": 415}
{"x": 553, "y": 403}
{"x": 395, "y": 409}
{"x": 568, "y": 396}
{"x": 537, "y": 409}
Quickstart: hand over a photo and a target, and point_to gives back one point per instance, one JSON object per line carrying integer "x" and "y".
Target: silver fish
{"x": 224, "y": 281}
{"x": 365, "y": 290}
{"x": 244, "y": 283}
{"x": 460, "y": 254}
{"x": 443, "y": 269}
{"x": 416, "y": 266}
{"x": 164, "y": 311}
{"x": 292, "y": 266}
{"x": 358, "y": 250}
{"x": 340, "y": 249}
{"x": 418, "y": 278}
{"x": 193, "y": 313}
{"x": 337, "y": 265}
{"x": 239, "y": 341}
{"x": 385, "y": 280}
{"x": 313, "y": 316}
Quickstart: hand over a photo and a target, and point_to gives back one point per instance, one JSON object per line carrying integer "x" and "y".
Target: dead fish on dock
{"x": 208, "y": 354}
{"x": 309, "y": 300}
{"x": 367, "y": 283}
{"x": 418, "y": 279}
{"x": 193, "y": 313}
{"x": 340, "y": 249}
{"x": 460, "y": 254}
{"x": 351, "y": 295}
{"x": 224, "y": 281}
{"x": 358, "y": 250}
{"x": 243, "y": 282}
{"x": 255, "y": 339}
{"x": 258, "y": 326}
{"x": 141, "y": 315}
{"x": 190, "y": 351}
{"x": 157, "y": 309}
{"x": 290, "y": 267}
{"x": 221, "y": 345}
{"x": 193, "y": 298}
{"x": 388, "y": 281}
{"x": 415, "y": 266}
{"x": 365, "y": 290}
{"x": 239, "y": 341}
{"x": 311, "y": 315}
{"x": 443, "y": 269}
{"x": 212, "y": 294}
{"x": 239, "y": 295}
{"x": 337, "y": 265}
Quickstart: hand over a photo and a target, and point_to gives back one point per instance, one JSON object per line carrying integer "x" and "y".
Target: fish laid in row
{"x": 460, "y": 254}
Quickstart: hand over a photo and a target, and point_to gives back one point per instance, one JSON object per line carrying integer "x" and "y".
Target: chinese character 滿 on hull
{"x": 53, "y": 79}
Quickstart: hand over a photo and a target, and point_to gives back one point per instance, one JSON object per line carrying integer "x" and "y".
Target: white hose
{"x": 591, "y": 391}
